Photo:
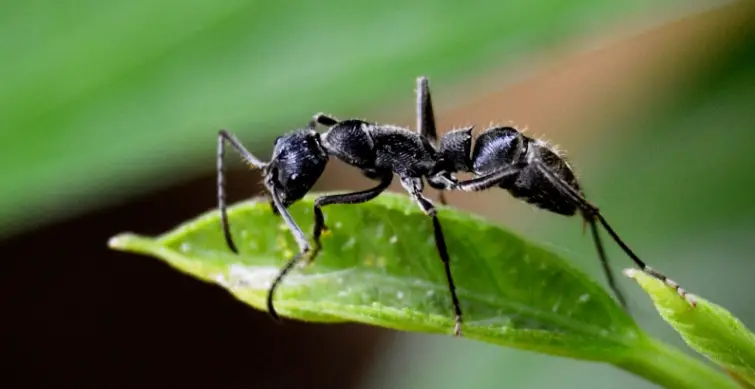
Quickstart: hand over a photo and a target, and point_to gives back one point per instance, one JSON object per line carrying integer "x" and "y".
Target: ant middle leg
{"x": 487, "y": 181}
{"x": 346, "y": 198}
{"x": 414, "y": 187}
{"x": 591, "y": 213}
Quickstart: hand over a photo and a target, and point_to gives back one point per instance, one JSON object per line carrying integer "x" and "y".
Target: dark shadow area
{"x": 76, "y": 314}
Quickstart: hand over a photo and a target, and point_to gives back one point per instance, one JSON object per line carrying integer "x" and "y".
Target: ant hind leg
{"x": 604, "y": 260}
{"x": 592, "y": 212}
{"x": 414, "y": 187}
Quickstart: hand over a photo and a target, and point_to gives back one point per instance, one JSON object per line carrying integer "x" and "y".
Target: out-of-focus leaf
{"x": 101, "y": 95}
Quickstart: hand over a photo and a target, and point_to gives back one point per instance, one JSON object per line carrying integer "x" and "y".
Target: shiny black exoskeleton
{"x": 505, "y": 150}
{"x": 531, "y": 171}
{"x": 379, "y": 151}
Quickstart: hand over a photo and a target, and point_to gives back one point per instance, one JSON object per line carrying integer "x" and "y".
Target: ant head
{"x": 454, "y": 152}
{"x": 297, "y": 163}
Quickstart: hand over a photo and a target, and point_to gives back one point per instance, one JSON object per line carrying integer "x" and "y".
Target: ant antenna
{"x": 223, "y": 137}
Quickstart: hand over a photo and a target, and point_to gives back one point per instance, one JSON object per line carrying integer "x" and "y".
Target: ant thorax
{"x": 382, "y": 147}
{"x": 403, "y": 151}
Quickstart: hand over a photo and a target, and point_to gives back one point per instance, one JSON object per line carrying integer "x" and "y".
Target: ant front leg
{"x": 414, "y": 187}
{"x": 347, "y": 198}
{"x": 299, "y": 236}
{"x": 591, "y": 213}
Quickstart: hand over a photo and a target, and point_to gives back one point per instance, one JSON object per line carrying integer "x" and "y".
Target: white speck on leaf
{"x": 349, "y": 243}
{"x": 220, "y": 279}
{"x": 255, "y": 278}
{"x": 430, "y": 293}
{"x": 185, "y": 247}
{"x": 399, "y": 295}
{"x": 583, "y": 298}
{"x": 393, "y": 239}
{"x": 338, "y": 225}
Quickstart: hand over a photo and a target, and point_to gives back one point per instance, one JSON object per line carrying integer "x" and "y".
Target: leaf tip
{"x": 123, "y": 241}
{"x": 631, "y": 273}
{"x": 659, "y": 290}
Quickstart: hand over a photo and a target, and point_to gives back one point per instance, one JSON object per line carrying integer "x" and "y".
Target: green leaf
{"x": 379, "y": 266}
{"x": 708, "y": 328}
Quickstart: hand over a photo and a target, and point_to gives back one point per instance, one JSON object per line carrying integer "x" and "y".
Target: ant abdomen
{"x": 497, "y": 147}
{"x": 535, "y": 188}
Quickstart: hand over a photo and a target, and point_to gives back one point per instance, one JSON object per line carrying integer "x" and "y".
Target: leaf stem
{"x": 671, "y": 368}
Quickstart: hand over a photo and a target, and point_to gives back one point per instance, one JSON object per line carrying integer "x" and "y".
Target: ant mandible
{"x": 379, "y": 151}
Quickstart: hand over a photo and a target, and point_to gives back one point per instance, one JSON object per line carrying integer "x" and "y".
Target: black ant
{"x": 502, "y": 157}
{"x": 379, "y": 151}
{"x": 531, "y": 171}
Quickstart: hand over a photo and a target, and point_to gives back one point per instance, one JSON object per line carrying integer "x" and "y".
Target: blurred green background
{"x": 106, "y": 103}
